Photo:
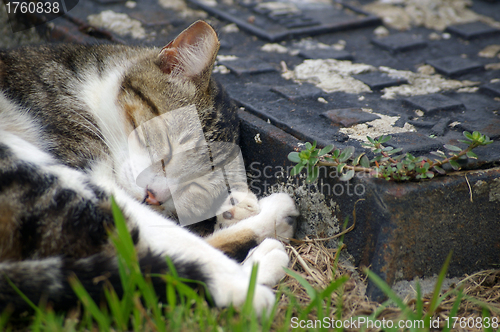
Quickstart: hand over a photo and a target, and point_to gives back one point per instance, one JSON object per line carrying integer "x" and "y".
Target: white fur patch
{"x": 25, "y": 150}
{"x": 99, "y": 93}
{"x": 15, "y": 122}
{"x": 68, "y": 177}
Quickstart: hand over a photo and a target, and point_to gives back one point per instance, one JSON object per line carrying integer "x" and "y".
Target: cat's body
{"x": 150, "y": 127}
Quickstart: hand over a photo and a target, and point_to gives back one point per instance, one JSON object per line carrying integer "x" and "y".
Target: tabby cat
{"x": 150, "y": 127}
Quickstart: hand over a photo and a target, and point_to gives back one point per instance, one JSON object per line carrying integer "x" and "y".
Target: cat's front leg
{"x": 275, "y": 220}
{"x": 227, "y": 280}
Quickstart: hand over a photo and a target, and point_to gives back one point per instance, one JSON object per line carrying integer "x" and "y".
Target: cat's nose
{"x": 150, "y": 198}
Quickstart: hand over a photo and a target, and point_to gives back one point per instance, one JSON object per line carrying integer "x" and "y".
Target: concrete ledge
{"x": 403, "y": 230}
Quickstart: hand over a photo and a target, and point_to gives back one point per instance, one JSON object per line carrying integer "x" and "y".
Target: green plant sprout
{"x": 387, "y": 163}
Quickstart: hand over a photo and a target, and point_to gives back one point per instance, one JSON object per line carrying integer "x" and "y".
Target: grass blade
{"x": 453, "y": 311}
{"x": 119, "y": 316}
{"x": 334, "y": 285}
{"x": 384, "y": 287}
{"x": 24, "y": 297}
{"x": 439, "y": 283}
{"x": 89, "y": 304}
{"x": 248, "y": 306}
{"x": 4, "y": 318}
{"x": 487, "y": 318}
{"x": 309, "y": 289}
{"x": 420, "y": 301}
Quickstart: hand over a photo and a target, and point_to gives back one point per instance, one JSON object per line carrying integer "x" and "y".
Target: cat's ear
{"x": 192, "y": 54}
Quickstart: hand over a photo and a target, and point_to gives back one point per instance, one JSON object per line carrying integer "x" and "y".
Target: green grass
{"x": 187, "y": 310}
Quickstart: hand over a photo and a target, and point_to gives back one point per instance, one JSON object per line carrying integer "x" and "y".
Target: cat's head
{"x": 183, "y": 129}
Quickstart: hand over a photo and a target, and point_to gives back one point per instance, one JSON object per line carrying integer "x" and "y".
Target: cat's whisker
{"x": 112, "y": 140}
{"x": 93, "y": 128}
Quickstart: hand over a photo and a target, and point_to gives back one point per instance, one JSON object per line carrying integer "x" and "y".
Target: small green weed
{"x": 386, "y": 164}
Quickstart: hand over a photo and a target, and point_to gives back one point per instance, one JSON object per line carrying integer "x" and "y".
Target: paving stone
{"x": 400, "y": 42}
{"x": 487, "y": 126}
{"x": 403, "y": 119}
{"x": 422, "y": 124}
{"x": 349, "y": 116}
{"x": 472, "y": 30}
{"x": 455, "y": 65}
{"x": 439, "y": 129}
{"x": 378, "y": 81}
{"x": 278, "y": 24}
{"x": 296, "y": 91}
{"x": 492, "y": 89}
{"x": 414, "y": 142}
{"x": 248, "y": 66}
{"x": 433, "y": 103}
{"x": 326, "y": 54}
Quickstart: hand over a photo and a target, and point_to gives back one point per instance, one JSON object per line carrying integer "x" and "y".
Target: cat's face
{"x": 179, "y": 125}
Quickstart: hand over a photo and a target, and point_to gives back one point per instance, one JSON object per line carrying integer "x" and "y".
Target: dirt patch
{"x": 119, "y": 23}
{"x": 383, "y": 126}
{"x": 330, "y": 75}
{"x": 423, "y": 82}
{"x": 432, "y": 14}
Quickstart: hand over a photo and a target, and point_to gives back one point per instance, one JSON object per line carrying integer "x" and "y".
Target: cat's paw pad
{"x": 236, "y": 207}
{"x": 278, "y": 217}
{"x": 272, "y": 258}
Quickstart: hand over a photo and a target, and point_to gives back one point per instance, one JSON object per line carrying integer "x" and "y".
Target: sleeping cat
{"x": 149, "y": 127}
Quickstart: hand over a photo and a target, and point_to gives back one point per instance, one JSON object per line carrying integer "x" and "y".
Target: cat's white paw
{"x": 236, "y": 207}
{"x": 272, "y": 258}
{"x": 234, "y": 291}
{"x": 277, "y": 217}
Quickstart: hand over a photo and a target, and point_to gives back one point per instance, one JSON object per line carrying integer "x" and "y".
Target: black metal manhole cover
{"x": 276, "y": 21}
